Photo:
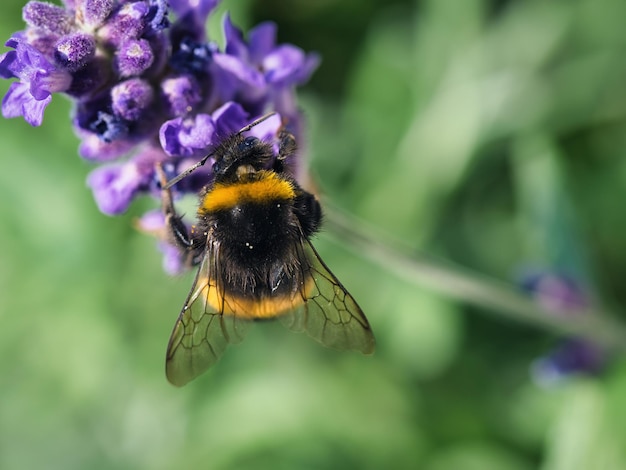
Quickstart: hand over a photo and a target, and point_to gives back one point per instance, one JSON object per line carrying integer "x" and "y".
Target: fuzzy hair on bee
{"x": 252, "y": 246}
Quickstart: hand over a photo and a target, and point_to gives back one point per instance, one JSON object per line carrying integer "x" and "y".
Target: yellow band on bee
{"x": 268, "y": 188}
{"x": 251, "y": 309}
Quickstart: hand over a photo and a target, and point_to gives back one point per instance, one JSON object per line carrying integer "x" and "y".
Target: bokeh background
{"x": 488, "y": 133}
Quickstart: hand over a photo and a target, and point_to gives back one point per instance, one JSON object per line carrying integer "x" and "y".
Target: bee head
{"x": 238, "y": 152}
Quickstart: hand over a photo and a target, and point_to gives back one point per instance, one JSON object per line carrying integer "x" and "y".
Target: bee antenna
{"x": 256, "y": 122}
{"x": 186, "y": 173}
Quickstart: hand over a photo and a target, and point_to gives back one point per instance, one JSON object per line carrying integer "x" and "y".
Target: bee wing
{"x": 202, "y": 331}
{"x": 329, "y": 314}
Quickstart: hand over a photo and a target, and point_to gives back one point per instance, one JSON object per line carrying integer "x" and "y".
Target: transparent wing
{"x": 202, "y": 330}
{"x": 329, "y": 314}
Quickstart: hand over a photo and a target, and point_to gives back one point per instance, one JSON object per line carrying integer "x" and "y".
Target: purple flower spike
{"x": 139, "y": 77}
{"x": 74, "y": 51}
{"x": 134, "y": 57}
{"x": 131, "y": 98}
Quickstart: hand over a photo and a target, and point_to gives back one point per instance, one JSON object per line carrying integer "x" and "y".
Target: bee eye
{"x": 247, "y": 143}
{"x": 218, "y": 167}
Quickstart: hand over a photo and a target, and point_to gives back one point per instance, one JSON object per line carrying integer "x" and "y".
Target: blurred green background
{"x": 488, "y": 133}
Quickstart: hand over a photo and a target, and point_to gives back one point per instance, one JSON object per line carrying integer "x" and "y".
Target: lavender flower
{"x": 148, "y": 87}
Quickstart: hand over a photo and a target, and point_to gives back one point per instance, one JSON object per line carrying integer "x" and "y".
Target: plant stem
{"x": 470, "y": 287}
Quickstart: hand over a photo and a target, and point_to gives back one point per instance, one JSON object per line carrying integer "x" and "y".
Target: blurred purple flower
{"x": 562, "y": 295}
{"x": 557, "y": 293}
{"x": 573, "y": 356}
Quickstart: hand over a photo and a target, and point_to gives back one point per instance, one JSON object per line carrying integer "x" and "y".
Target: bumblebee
{"x": 256, "y": 261}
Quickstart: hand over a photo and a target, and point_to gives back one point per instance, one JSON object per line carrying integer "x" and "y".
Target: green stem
{"x": 470, "y": 287}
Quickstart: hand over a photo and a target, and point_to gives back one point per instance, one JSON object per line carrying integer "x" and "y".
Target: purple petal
{"x": 20, "y": 102}
{"x": 152, "y": 222}
{"x": 284, "y": 100}
{"x": 114, "y": 187}
{"x": 172, "y": 259}
{"x": 7, "y": 64}
{"x": 26, "y": 60}
{"x": 200, "y": 9}
{"x": 268, "y": 129}
{"x": 235, "y": 44}
{"x": 239, "y": 70}
{"x": 288, "y": 65}
{"x": 262, "y": 40}
{"x": 187, "y": 136}
{"x": 43, "y": 84}
{"x": 229, "y": 118}
{"x": 31, "y": 67}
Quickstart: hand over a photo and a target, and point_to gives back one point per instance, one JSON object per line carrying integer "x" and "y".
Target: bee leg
{"x": 287, "y": 144}
{"x": 286, "y": 148}
{"x": 174, "y": 223}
